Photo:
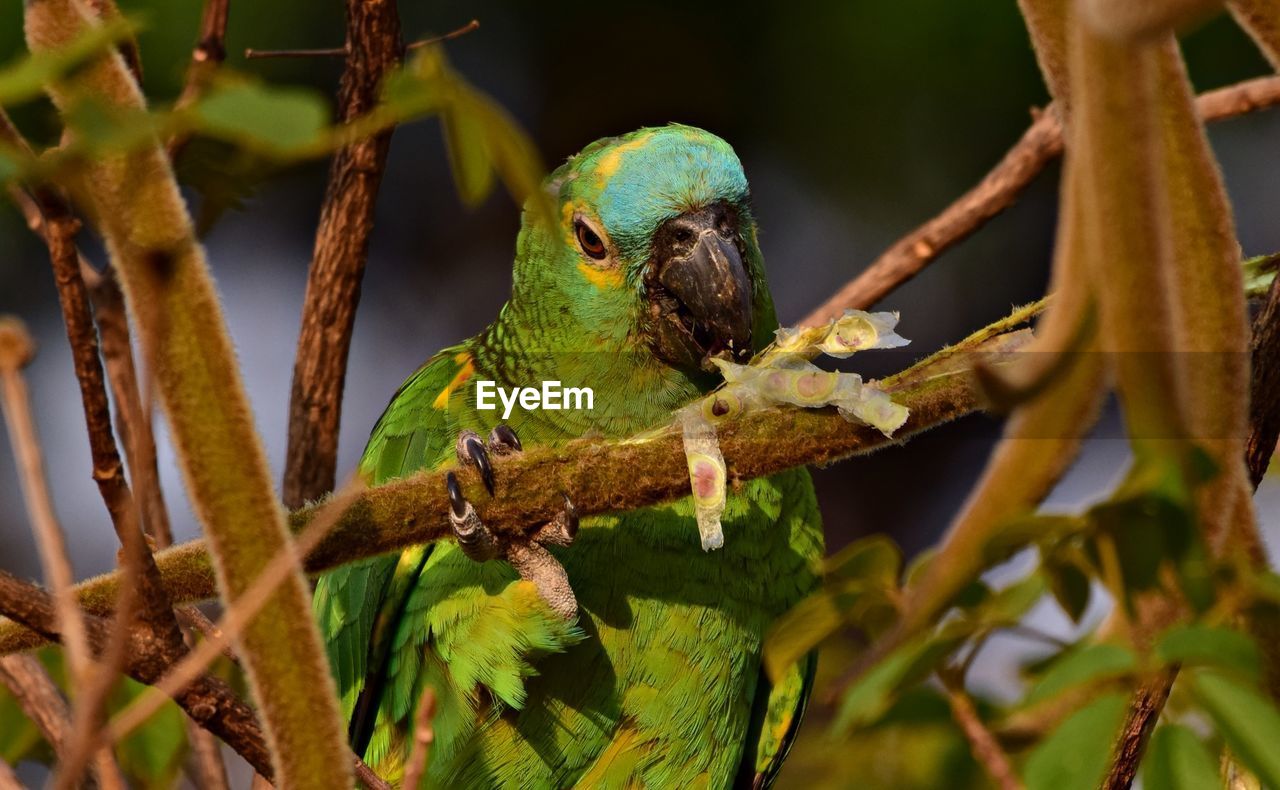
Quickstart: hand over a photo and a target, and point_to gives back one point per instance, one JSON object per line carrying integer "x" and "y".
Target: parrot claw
{"x": 503, "y": 441}
{"x": 529, "y": 556}
{"x": 473, "y": 536}
{"x": 471, "y": 451}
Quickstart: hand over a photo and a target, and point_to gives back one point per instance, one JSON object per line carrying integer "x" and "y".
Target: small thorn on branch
{"x": 339, "y": 52}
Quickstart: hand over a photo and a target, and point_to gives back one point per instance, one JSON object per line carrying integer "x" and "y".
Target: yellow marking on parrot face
{"x": 610, "y": 162}
{"x": 602, "y": 278}
{"x": 459, "y": 378}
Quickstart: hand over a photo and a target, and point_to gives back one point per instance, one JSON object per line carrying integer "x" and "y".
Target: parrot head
{"x": 651, "y": 249}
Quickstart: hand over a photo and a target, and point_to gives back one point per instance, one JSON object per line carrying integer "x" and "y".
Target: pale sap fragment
{"x": 707, "y": 475}
{"x": 783, "y": 374}
{"x": 802, "y": 383}
{"x": 856, "y": 330}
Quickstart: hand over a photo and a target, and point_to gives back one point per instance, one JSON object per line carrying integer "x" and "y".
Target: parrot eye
{"x": 591, "y": 243}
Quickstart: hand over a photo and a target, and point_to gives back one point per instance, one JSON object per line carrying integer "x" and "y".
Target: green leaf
{"x": 868, "y": 698}
{"x": 261, "y": 116}
{"x": 469, "y": 160}
{"x": 1247, "y": 721}
{"x": 19, "y": 738}
{"x": 151, "y": 756}
{"x": 1070, "y": 586}
{"x": 1259, "y": 271}
{"x": 1202, "y": 645}
{"x": 1007, "y": 606}
{"x": 798, "y": 631}
{"x": 27, "y": 78}
{"x": 1086, "y": 665}
{"x": 1018, "y": 533}
{"x": 1151, "y": 519}
{"x": 1076, "y": 755}
{"x": 1176, "y": 760}
{"x": 862, "y": 603}
{"x": 874, "y": 560}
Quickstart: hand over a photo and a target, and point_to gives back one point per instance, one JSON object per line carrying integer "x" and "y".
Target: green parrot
{"x": 615, "y": 652}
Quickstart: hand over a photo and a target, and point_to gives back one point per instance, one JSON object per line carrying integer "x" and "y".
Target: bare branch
{"x": 1264, "y": 403}
{"x": 1144, "y": 710}
{"x": 338, "y": 52}
{"x": 1039, "y": 145}
{"x": 337, "y": 267}
{"x": 16, "y": 350}
{"x": 9, "y": 779}
{"x": 424, "y": 735}
{"x": 986, "y": 750}
{"x": 209, "y": 53}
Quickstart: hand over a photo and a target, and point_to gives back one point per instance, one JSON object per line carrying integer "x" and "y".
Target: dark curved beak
{"x": 712, "y": 285}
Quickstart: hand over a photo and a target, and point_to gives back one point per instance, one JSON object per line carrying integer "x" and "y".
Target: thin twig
{"x": 338, "y": 52}
{"x": 367, "y": 777}
{"x": 192, "y": 618}
{"x": 209, "y": 53}
{"x": 998, "y": 190}
{"x": 8, "y": 779}
{"x": 424, "y": 735}
{"x": 16, "y": 351}
{"x": 986, "y": 750}
{"x": 133, "y": 419}
{"x": 208, "y": 700}
{"x": 341, "y": 251}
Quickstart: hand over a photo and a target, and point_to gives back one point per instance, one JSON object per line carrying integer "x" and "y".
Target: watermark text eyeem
{"x": 551, "y": 396}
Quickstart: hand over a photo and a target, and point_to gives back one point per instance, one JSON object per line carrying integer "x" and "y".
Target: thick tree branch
{"x": 341, "y": 250}
{"x": 1264, "y": 390}
{"x": 1039, "y": 145}
{"x": 600, "y": 476}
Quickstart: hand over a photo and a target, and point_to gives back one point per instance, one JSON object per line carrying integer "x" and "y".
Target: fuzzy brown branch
{"x": 998, "y": 190}
{"x": 341, "y": 250}
{"x": 599, "y": 476}
{"x": 209, "y": 701}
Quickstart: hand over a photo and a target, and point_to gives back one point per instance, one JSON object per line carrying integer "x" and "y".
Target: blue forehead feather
{"x": 636, "y": 182}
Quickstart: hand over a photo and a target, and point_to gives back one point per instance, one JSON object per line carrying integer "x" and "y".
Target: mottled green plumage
{"x": 658, "y": 683}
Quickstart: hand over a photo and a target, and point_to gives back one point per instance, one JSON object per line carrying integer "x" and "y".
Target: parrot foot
{"x": 529, "y": 556}
{"x": 472, "y": 452}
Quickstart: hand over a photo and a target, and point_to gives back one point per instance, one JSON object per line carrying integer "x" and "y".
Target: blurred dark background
{"x": 856, "y": 121}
